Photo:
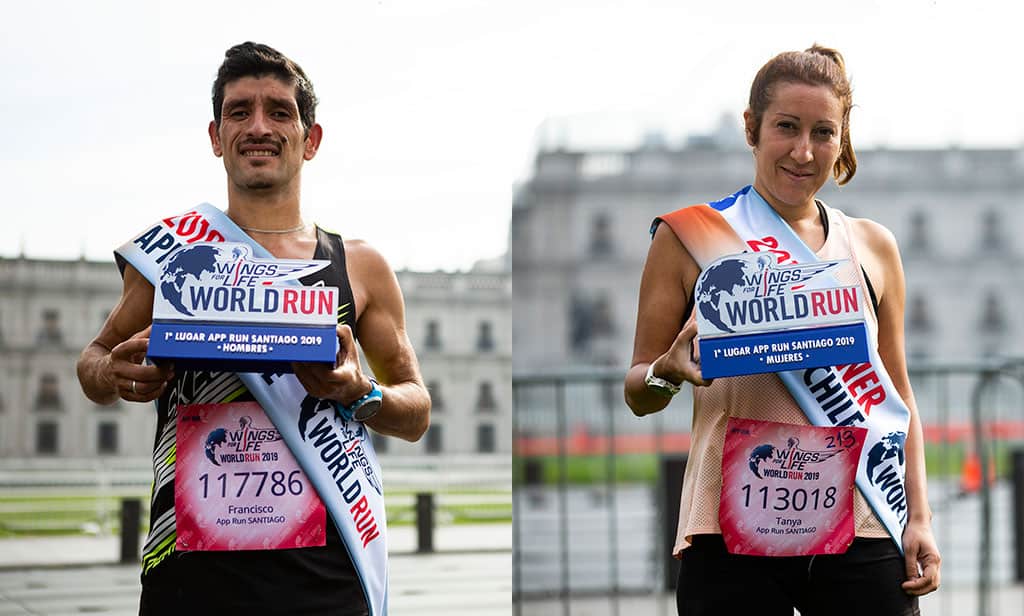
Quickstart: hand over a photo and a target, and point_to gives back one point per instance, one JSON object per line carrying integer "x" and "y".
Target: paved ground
{"x": 471, "y": 573}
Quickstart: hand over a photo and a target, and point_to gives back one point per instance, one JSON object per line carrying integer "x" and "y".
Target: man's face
{"x": 261, "y": 136}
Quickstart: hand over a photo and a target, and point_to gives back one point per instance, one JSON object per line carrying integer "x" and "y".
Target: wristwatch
{"x": 364, "y": 407}
{"x": 659, "y": 385}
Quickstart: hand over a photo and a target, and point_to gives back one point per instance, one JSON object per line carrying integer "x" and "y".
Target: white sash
{"x": 336, "y": 455}
{"x": 881, "y": 470}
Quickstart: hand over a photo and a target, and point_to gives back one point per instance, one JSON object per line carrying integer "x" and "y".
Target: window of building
{"x": 436, "y": 399}
{"x": 433, "y": 444}
{"x": 992, "y": 237}
{"x": 601, "y": 237}
{"x": 106, "y": 438}
{"x": 579, "y": 324}
{"x": 589, "y": 319}
{"x": 485, "y": 442}
{"x": 49, "y": 333}
{"x": 48, "y": 396}
{"x": 433, "y": 339}
{"x": 380, "y": 442}
{"x": 918, "y": 316}
{"x": 485, "y": 337}
{"x": 919, "y": 232}
{"x": 485, "y": 401}
{"x": 46, "y": 437}
{"x": 993, "y": 315}
{"x": 604, "y": 323}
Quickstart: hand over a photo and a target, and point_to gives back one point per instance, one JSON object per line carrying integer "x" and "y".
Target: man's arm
{"x": 405, "y": 411}
{"x": 110, "y": 367}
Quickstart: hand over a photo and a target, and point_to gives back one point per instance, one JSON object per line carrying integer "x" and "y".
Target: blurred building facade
{"x": 49, "y": 310}
{"x": 579, "y": 237}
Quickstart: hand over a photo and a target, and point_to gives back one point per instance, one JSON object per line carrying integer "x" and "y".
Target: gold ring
{"x": 133, "y": 389}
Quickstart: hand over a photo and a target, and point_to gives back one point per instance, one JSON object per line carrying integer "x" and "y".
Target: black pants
{"x": 865, "y": 580}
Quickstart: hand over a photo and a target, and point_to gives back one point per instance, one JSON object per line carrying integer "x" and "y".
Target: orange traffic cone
{"x": 970, "y": 474}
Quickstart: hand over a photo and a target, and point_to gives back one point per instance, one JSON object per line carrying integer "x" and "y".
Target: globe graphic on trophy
{"x": 187, "y": 262}
{"x": 722, "y": 277}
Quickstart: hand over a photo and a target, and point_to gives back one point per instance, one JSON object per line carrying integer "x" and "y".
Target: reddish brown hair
{"x": 816, "y": 66}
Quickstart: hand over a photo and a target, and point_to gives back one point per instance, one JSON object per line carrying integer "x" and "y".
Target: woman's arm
{"x": 881, "y": 259}
{"x": 669, "y": 275}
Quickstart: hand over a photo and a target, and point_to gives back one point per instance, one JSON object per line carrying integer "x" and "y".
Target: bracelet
{"x": 659, "y": 385}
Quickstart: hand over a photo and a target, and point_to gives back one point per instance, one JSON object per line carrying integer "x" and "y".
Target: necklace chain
{"x": 275, "y": 231}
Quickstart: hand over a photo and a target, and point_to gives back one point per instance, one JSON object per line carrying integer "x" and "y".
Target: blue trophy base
{"x": 241, "y": 347}
{"x": 783, "y": 350}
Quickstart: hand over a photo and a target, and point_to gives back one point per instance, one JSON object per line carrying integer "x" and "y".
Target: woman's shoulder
{"x": 687, "y": 212}
{"x": 873, "y": 235}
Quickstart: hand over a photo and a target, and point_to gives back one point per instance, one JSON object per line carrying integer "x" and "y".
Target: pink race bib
{"x": 237, "y": 485}
{"x": 787, "y": 490}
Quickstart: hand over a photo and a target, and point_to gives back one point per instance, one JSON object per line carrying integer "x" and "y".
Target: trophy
{"x": 217, "y": 307}
{"x": 755, "y": 315}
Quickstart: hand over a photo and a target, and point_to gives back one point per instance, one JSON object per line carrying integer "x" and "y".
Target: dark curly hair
{"x": 257, "y": 60}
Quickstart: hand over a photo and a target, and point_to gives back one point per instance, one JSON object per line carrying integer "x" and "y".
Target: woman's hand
{"x": 922, "y": 559}
{"x": 681, "y": 362}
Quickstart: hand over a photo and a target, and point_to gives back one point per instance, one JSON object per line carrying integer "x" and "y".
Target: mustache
{"x": 263, "y": 141}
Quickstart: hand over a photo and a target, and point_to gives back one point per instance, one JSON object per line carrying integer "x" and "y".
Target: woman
{"x": 797, "y": 123}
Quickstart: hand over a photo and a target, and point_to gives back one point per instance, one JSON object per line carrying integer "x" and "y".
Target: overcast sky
{"x": 433, "y": 109}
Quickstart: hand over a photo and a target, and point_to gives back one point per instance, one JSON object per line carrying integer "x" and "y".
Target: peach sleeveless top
{"x": 759, "y": 396}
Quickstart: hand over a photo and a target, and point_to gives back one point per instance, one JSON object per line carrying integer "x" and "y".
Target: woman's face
{"x": 798, "y": 144}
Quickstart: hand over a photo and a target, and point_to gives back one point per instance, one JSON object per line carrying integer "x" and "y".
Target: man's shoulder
{"x": 367, "y": 267}
{"x": 353, "y": 247}
{"x": 374, "y": 284}
{"x": 367, "y": 256}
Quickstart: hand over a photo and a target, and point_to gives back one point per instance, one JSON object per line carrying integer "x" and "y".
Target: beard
{"x": 259, "y": 184}
{"x": 255, "y": 179}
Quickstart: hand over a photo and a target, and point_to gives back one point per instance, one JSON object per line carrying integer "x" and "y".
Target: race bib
{"x": 787, "y": 490}
{"x": 237, "y": 485}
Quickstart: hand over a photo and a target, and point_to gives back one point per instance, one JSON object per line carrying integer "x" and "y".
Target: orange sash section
{"x": 704, "y": 233}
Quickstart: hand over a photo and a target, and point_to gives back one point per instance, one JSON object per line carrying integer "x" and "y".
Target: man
{"x": 264, "y": 129}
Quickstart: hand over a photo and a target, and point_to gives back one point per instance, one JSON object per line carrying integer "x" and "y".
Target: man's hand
{"x": 129, "y": 377}
{"x": 920, "y": 549}
{"x": 345, "y": 382}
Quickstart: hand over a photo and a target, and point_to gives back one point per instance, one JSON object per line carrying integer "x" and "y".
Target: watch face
{"x": 366, "y": 410}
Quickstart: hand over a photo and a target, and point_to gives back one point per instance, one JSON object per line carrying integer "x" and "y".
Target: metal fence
{"x": 591, "y": 520}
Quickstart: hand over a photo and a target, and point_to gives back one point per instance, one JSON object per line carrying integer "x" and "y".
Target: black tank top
{"x": 319, "y": 580}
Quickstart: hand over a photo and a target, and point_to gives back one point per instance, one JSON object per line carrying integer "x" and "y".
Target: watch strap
{"x": 364, "y": 407}
{"x": 659, "y": 385}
